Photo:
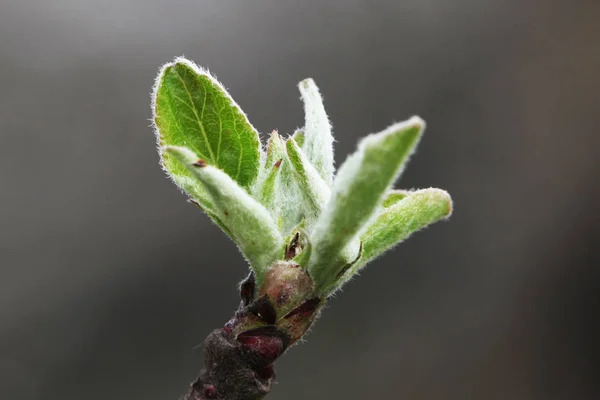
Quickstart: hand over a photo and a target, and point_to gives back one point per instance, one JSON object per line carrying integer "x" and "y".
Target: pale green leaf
{"x": 317, "y": 138}
{"x": 267, "y": 189}
{"x": 359, "y": 188}
{"x": 245, "y": 219}
{"x": 400, "y": 220}
{"x": 288, "y": 200}
{"x": 312, "y": 187}
{"x": 192, "y": 109}
{"x": 397, "y": 222}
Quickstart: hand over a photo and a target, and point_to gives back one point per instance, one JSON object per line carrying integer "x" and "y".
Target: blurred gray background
{"x": 109, "y": 279}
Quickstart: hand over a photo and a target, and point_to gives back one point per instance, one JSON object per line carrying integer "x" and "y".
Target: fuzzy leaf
{"x": 359, "y": 188}
{"x": 275, "y": 149}
{"x": 318, "y": 141}
{"x": 289, "y": 200}
{"x": 246, "y": 220}
{"x": 192, "y": 109}
{"x": 313, "y": 188}
{"x": 400, "y": 220}
{"x": 267, "y": 188}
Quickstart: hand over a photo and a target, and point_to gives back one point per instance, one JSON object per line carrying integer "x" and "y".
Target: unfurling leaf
{"x": 246, "y": 220}
{"x": 267, "y": 187}
{"x": 397, "y": 222}
{"x": 317, "y": 141}
{"x": 358, "y": 191}
{"x": 192, "y": 109}
{"x": 312, "y": 187}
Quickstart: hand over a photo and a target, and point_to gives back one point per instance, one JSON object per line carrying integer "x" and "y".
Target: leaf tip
{"x": 441, "y": 198}
{"x": 182, "y": 154}
{"x": 416, "y": 122}
{"x": 182, "y": 62}
{"x": 306, "y": 84}
{"x": 445, "y": 197}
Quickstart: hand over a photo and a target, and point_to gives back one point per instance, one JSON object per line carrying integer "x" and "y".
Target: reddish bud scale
{"x": 268, "y": 347}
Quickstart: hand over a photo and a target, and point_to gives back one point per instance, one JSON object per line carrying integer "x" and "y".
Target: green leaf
{"x": 192, "y": 109}
{"x": 246, "y": 220}
{"x": 313, "y": 188}
{"x": 289, "y": 200}
{"x": 397, "y": 222}
{"x": 267, "y": 189}
{"x": 359, "y": 188}
{"x": 400, "y": 220}
{"x": 275, "y": 149}
{"x": 317, "y": 140}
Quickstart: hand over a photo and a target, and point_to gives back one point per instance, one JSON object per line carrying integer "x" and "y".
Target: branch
{"x": 239, "y": 358}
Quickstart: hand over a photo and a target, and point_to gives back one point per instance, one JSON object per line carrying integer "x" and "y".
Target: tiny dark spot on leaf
{"x": 226, "y": 213}
{"x": 194, "y": 202}
{"x": 278, "y": 163}
{"x": 200, "y": 163}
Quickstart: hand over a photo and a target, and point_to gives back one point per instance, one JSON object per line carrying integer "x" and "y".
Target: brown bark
{"x": 239, "y": 358}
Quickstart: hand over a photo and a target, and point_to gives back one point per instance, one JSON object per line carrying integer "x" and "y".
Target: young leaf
{"x": 267, "y": 188}
{"x": 397, "y": 222}
{"x": 400, "y": 220}
{"x": 275, "y": 149}
{"x": 318, "y": 141}
{"x": 192, "y": 109}
{"x": 289, "y": 201}
{"x": 358, "y": 190}
{"x": 313, "y": 188}
{"x": 267, "y": 191}
{"x": 246, "y": 220}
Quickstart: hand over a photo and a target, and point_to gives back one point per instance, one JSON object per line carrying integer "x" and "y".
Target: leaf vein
{"x": 178, "y": 124}
{"x": 195, "y": 111}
